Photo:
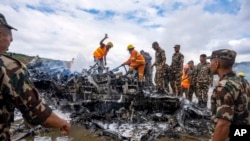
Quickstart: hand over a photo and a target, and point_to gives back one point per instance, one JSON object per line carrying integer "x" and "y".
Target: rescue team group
{"x": 229, "y": 100}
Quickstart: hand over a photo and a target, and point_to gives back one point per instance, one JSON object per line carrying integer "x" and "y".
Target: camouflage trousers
{"x": 175, "y": 83}
{"x": 190, "y": 93}
{"x": 159, "y": 78}
{"x": 202, "y": 92}
{"x": 148, "y": 74}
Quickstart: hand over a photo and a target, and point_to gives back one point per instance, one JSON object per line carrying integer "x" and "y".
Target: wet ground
{"x": 81, "y": 134}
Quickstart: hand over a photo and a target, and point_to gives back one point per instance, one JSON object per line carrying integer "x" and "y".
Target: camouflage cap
{"x": 177, "y": 46}
{"x": 3, "y": 22}
{"x": 224, "y": 54}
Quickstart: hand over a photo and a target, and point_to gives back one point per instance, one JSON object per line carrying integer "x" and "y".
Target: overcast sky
{"x": 66, "y": 29}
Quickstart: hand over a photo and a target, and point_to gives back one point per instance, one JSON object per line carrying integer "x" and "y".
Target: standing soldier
{"x": 229, "y": 100}
{"x": 203, "y": 79}
{"x": 176, "y": 70}
{"x": 160, "y": 60}
{"x": 147, "y": 70}
{"x": 192, "y": 80}
{"x": 100, "y": 54}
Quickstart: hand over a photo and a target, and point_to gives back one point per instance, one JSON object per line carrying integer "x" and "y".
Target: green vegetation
{"x": 21, "y": 57}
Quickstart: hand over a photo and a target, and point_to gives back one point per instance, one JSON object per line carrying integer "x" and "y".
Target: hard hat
{"x": 130, "y": 46}
{"x": 241, "y": 74}
{"x": 110, "y": 44}
{"x": 186, "y": 67}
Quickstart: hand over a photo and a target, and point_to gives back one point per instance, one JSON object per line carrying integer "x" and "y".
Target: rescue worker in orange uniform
{"x": 185, "y": 81}
{"x": 135, "y": 61}
{"x": 100, "y": 54}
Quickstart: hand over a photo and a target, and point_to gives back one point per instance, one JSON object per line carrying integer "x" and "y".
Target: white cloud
{"x": 70, "y": 32}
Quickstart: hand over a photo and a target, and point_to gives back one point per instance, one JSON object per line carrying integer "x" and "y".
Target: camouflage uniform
{"x": 159, "y": 75}
{"x": 192, "y": 84}
{"x": 176, "y": 72}
{"x": 203, "y": 79}
{"x": 18, "y": 92}
{"x": 230, "y": 100}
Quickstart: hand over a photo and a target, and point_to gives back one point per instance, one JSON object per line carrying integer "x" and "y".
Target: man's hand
{"x": 106, "y": 36}
{"x": 65, "y": 129}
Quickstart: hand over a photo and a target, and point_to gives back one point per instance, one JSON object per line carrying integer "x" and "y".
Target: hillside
{"x": 26, "y": 59}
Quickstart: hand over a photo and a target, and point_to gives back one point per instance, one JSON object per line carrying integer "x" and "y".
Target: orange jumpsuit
{"x": 136, "y": 61}
{"x": 100, "y": 52}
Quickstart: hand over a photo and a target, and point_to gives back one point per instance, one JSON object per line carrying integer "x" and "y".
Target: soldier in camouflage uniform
{"x": 160, "y": 60}
{"x": 229, "y": 100}
{"x": 203, "y": 79}
{"x": 17, "y": 91}
{"x": 176, "y": 70}
{"x": 192, "y": 80}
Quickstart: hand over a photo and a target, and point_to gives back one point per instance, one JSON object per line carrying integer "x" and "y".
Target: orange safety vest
{"x": 100, "y": 52}
{"x": 135, "y": 57}
{"x": 185, "y": 82}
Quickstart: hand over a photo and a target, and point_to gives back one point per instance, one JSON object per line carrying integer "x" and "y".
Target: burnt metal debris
{"x": 115, "y": 106}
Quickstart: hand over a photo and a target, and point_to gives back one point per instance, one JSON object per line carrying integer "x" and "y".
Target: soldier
{"x": 192, "y": 80}
{"x": 17, "y": 91}
{"x": 176, "y": 70}
{"x": 160, "y": 60}
{"x": 147, "y": 70}
{"x": 229, "y": 100}
{"x": 203, "y": 79}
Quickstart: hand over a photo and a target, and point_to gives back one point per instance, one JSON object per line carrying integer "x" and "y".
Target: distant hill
{"x": 26, "y": 58}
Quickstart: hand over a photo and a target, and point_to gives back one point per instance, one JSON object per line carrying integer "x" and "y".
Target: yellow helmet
{"x": 110, "y": 44}
{"x": 130, "y": 46}
{"x": 241, "y": 74}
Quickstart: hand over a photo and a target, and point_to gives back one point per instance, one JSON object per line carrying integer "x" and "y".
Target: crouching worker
{"x": 135, "y": 61}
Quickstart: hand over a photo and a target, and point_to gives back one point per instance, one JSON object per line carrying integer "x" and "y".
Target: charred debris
{"x": 115, "y": 106}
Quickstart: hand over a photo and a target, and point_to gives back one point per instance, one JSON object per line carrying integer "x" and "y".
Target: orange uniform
{"x": 100, "y": 52}
{"x": 185, "y": 83}
{"x": 136, "y": 61}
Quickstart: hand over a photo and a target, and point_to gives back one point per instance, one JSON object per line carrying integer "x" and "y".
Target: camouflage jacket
{"x": 159, "y": 57}
{"x": 17, "y": 91}
{"x": 191, "y": 74}
{"x": 203, "y": 74}
{"x": 230, "y": 101}
{"x": 177, "y": 62}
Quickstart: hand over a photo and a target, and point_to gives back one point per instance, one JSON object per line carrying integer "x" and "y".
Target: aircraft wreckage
{"x": 115, "y": 105}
